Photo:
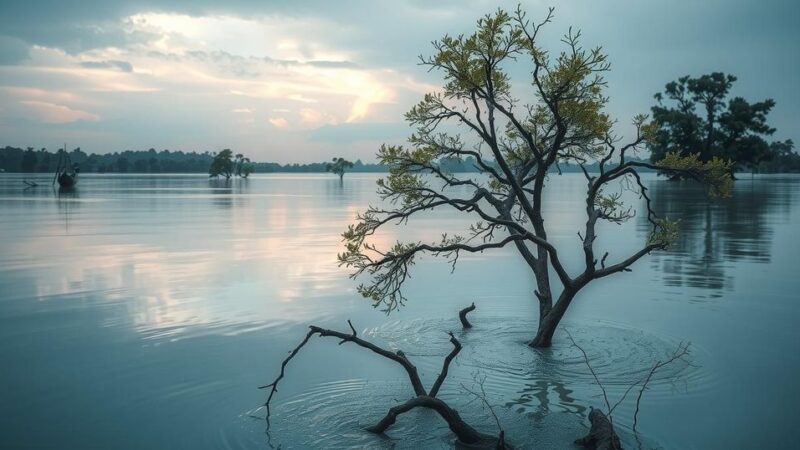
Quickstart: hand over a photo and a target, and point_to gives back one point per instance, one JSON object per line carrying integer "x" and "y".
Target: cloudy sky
{"x": 301, "y": 81}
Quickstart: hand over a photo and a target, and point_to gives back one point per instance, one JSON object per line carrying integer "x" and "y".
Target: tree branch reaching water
{"x": 422, "y": 399}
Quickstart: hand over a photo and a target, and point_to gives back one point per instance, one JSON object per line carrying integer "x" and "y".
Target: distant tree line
{"x": 148, "y": 161}
{"x": 30, "y": 160}
{"x": 782, "y": 158}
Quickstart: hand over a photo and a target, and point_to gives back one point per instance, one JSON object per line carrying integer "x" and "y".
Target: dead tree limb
{"x": 594, "y": 374}
{"x": 601, "y": 436}
{"x": 501, "y": 443}
{"x": 679, "y": 353}
{"x": 423, "y": 398}
{"x": 461, "y": 429}
{"x": 462, "y": 315}
{"x": 445, "y": 366}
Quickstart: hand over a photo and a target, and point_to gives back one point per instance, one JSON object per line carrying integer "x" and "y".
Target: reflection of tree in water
{"x": 66, "y": 204}
{"x": 536, "y": 394}
{"x": 226, "y": 192}
{"x": 712, "y": 235}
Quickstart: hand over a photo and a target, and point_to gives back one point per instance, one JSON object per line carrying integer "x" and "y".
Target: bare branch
{"x": 594, "y": 374}
{"x": 398, "y": 357}
{"x": 680, "y": 352}
{"x": 462, "y": 315}
{"x": 445, "y": 365}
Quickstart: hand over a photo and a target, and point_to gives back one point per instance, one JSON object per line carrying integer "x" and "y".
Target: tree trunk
{"x": 549, "y": 322}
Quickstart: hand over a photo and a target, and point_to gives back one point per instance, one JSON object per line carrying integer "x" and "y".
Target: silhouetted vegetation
{"x": 222, "y": 165}
{"x": 14, "y": 159}
{"x": 243, "y": 166}
{"x": 694, "y": 115}
{"x": 782, "y": 159}
{"x": 338, "y": 166}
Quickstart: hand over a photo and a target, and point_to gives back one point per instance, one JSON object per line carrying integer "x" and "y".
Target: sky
{"x": 304, "y": 81}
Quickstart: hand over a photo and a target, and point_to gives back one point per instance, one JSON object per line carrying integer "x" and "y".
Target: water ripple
{"x": 549, "y": 390}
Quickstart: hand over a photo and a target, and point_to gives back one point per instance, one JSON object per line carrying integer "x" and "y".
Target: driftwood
{"x": 462, "y": 316}
{"x": 601, "y": 436}
{"x": 423, "y": 398}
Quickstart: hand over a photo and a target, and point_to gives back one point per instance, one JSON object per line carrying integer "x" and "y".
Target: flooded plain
{"x": 144, "y": 311}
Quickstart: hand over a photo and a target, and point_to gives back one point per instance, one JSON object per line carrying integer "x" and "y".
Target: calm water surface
{"x": 143, "y": 311}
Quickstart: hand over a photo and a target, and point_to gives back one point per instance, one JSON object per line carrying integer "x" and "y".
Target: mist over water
{"x": 143, "y": 311}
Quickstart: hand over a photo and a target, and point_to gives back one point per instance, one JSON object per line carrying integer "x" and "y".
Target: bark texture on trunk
{"x": 463, "y": 431}
{"x": 549, "y": 322}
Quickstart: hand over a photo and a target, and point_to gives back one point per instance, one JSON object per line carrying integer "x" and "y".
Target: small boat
{"x": 67, "y": 179}
{"x": 66, "y": 171}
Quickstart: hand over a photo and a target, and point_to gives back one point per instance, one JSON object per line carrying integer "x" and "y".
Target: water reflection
{"x": 188, "y": 292}
{"x": 714, "y": 236}
{"x": 536, "y": 396}
{"x": 66, "y": 204}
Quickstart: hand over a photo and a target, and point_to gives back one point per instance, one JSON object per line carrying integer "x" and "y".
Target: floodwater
{"x": 143, "y": 312}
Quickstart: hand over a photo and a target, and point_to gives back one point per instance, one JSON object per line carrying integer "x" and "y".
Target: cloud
{"x": 348, "y": 133}
{"x": 12, "y": 50}
{"x": 123, "y": 66}
{"x": 279, "y": 122}
{"x": 56, "y": 114}
{"x": 313, "y": 63}
{"x": 336, "y": 73}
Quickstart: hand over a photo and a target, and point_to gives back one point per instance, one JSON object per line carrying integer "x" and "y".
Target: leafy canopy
{"x": 695, "y": 115}
{"x": 515, "y": 145}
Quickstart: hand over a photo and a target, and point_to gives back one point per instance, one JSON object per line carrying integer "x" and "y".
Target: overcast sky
{"x": 302, "y": 81}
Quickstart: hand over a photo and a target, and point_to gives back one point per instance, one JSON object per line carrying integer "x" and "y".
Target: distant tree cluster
{"x": 695, "y": 116}
{"x": 338, "y": 166}
{"x": 30, "y": 160}
{"x": 226, "y": 164}
{"x": 358, "y": 166}
{"x": 149, "y": 161}
{"x": 783, "y": 159}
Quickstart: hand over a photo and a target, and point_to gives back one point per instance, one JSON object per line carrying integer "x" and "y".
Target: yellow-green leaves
{"x": 664, "y": 233}
{"x": 715, "y": 173}
{"x": 611, "y": 207}
{"x": 472, "y": 62}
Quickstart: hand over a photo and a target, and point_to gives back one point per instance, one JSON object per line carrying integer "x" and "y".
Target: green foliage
{"x": 516, "y": 146}
{"x": 243, "y": 166}
{"x": 694, "y": 115}
{"x": 783, "y": 158}
{"x": 246, "y": 169}
{"x": 222, "y": 165}
{"x": 664, "y": 233}
{"x": 338, "y": 166}
{"x": 714, "y": 173}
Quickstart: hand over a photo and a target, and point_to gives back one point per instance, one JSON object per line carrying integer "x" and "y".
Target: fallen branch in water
{"x": 462, "y": 315}
{"x": 422, "y": 399}
{"x": 679, "y": 353}
{"x": 602, "y": 435}
{"x": 30, "y": 184}
{"x": 484, "y": 399}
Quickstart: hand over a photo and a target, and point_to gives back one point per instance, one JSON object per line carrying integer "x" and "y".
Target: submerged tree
{"x": 515, "y": 146}
{"x": 222, "y": 164}
{"x": 338, "y": 166}
{"x": 694, "y": 115}
{"x": 243, "y": 166}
